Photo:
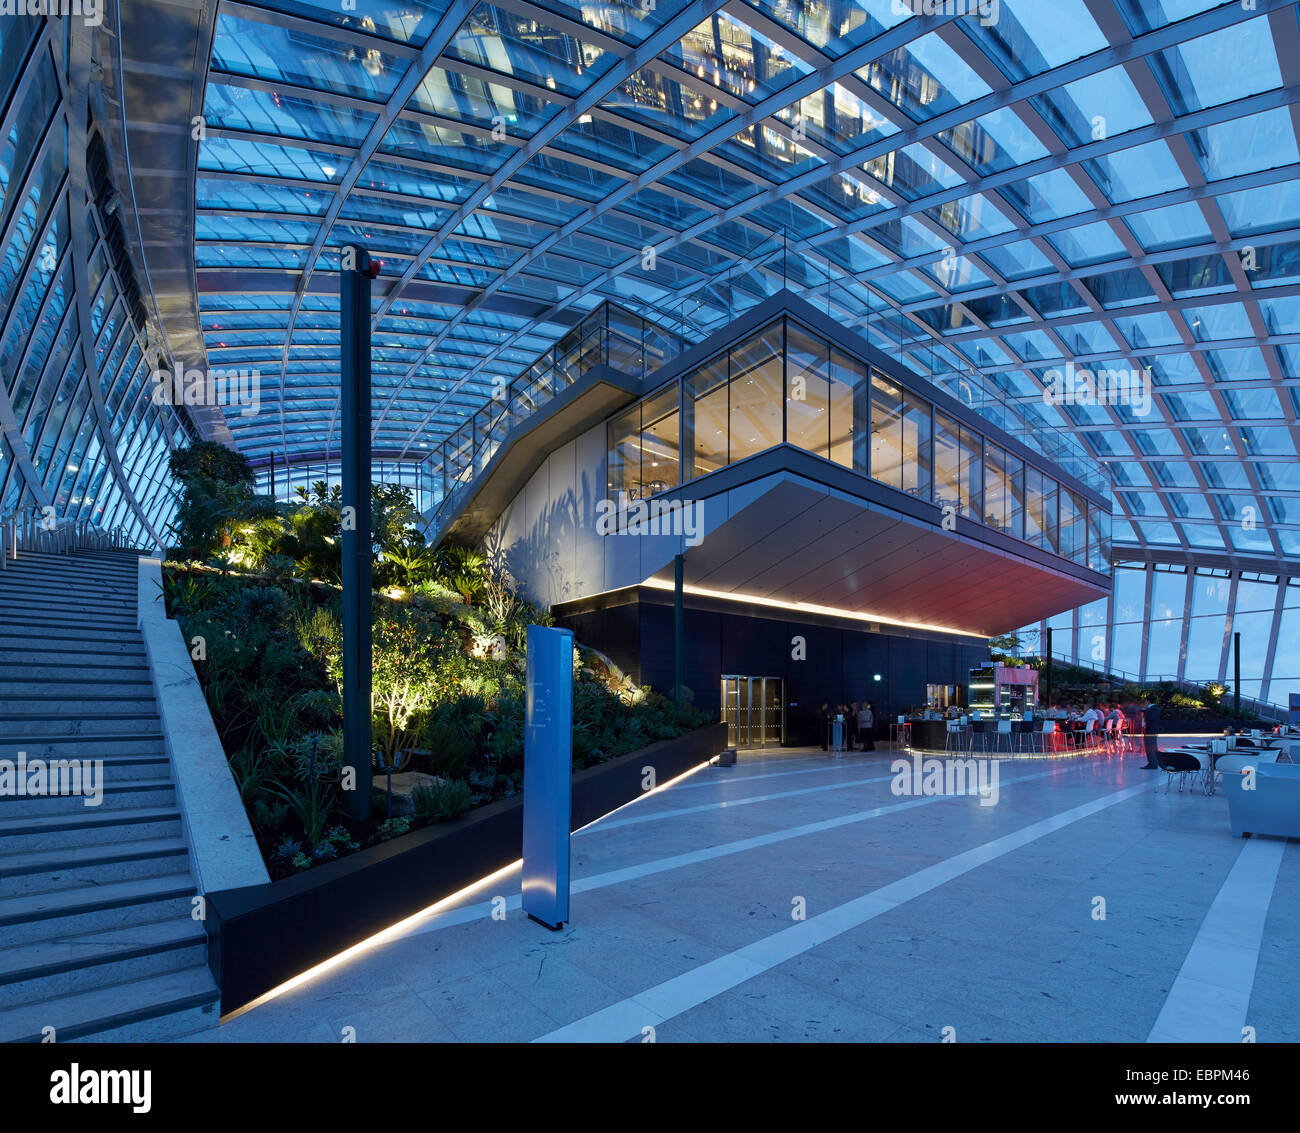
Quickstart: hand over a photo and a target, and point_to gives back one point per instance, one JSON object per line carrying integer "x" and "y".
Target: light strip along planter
{"x": 261, "y": 936}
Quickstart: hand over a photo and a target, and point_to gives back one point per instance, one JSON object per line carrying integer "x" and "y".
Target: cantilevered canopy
{"x": 1109, "y": 183}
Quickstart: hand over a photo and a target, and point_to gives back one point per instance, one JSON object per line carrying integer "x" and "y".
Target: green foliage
{"x": 443, "y": 800}
{"x": 312, "y": 804}
{"x": 212, "y": 461}
{"x": 448, "y": 696}
{"x": 215, "y": 490}
{"x": 453, "y": 735}
{"x": 393, "y": 828}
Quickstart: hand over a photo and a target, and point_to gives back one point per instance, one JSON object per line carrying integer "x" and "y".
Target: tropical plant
{"x": 312, "y": 804}
{"x": 442, "y": 800}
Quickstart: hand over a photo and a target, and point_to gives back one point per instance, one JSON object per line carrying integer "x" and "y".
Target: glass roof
{"x": 1103, "y": 188}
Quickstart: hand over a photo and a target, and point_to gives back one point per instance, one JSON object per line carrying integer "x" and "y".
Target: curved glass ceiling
{"x": 1108, "y": 186}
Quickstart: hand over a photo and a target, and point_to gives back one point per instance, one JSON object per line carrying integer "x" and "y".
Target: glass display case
{"x": 1002, "y": 692}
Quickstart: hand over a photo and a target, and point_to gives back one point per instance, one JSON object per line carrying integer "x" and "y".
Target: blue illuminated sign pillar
{"x": 548, "y": 774}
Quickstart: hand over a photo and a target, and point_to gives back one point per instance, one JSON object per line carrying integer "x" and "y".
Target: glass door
{"x": 773, "y": 711}
{"x": 753, "y": 709}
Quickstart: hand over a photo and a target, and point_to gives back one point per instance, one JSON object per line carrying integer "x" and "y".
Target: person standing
{"x": 1151, "y": 734}
{"x": 867, "y": 725}
{"x": 824, "y": 716}
{"x": 851, "y": 724}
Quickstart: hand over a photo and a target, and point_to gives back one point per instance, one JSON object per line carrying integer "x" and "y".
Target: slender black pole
{"x": 1047, "y": 669}
{"x": 679, "y": 571}
{"x": 1236, "y": 671}
{"x": 354, "y": 413}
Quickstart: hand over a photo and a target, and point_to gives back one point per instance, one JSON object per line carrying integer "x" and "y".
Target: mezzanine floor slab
{"x": 920, "y": 913}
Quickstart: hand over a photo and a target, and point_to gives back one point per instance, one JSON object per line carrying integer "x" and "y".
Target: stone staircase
{"x": 96, "y": 934}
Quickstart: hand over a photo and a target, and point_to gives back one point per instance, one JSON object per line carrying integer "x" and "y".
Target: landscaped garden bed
{"x": 254, "y": 585}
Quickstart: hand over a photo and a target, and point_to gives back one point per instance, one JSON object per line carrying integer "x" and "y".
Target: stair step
{"x": 55, "y": 689}
{"x": 59, "y": 867}
{"x": 88, "y": 673}
{"x": 84, "y": 703}
{"x": 48, "y": 904}
{"x": 16, "y": 621}
{"x": 27, "y": 918}
{"x": 48, "y": 560}
{"x": 149, "y": 1009}
{"x": 31, "y": 832}
{"x": 20, "y": 599}
{"x": 35, "y": 729}
{"x": 22, "y": 648}
{"x": 86, "y": 746}
{"x": 151, "y": 765}
{"x": 52, "y": 630}
{"x": 48, "y": 969}
{"x": 115, "y": 795}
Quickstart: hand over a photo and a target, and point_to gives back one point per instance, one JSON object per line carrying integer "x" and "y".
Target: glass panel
{"x": 958, "y": 467}
{"x": 756, "y": 393}
{"x": 1126, "y": 631}
{"x": 886, "y": 431}
{"x": 660, "y": 442}
{"x": 706, "y": 404}
{"x": 1164, "y": 636}
{"x": 848, "y": 392}
{"x": 624, "y": 473}
{"x": 807, "y": 399}
{"x": 1073, "y": 533}
{"x": 1208, "y": 627}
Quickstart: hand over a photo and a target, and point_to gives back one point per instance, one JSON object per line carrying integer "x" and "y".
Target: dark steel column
{"x": 1047, "y": 669}
{"x": 354, "y": 414}
{"x": 679, "y": 572}
{"x": 1236, "y": 671}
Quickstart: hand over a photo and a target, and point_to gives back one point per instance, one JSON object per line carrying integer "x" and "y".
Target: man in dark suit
{"x": 1151, "y": 737}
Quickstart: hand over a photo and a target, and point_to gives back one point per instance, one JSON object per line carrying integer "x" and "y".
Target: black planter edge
{"x": 261, "y": 936}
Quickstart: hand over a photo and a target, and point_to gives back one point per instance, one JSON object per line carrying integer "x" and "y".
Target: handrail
{"x": 35, "y": 530}
{"x": 1260, "y": 707}
{"x": 468, "y": 450}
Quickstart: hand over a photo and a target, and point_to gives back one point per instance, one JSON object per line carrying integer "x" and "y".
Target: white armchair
{"x": 1271, "y": 805}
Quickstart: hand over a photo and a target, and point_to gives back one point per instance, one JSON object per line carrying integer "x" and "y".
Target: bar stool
{"x": 953, "y": 737}
{"x": 1089, "y": 737}
{"x": 1003, "y": 732}
{"x": 1110, "y": 737}
{"x": 1048, "y": 729}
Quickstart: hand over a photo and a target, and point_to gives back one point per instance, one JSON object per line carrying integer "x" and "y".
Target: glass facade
{"x": 1176, "y": 622}
{"x": 1133, "y": 216}
{"x": 785, "y": 384}
{"x": 88, "y": 439}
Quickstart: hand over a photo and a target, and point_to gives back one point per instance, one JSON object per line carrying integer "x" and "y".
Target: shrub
{"x": 443, "y": 800}
{"x": 393, "y": 828}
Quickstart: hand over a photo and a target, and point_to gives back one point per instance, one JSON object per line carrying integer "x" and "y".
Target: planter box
{"x": 260, "y": 936}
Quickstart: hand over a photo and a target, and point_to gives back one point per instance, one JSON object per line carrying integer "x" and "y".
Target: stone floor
{"x": 798, "y": 897}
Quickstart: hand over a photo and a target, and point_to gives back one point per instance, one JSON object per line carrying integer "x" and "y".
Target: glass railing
{"x": 610, "y": 336}
{"x": 780, "y": 265}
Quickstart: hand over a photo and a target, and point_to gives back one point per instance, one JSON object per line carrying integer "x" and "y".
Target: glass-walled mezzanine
{"x": 786, "y": 385}
{"x": 609, "y": 336}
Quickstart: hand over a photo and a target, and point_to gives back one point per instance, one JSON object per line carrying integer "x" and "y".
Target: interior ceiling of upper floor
{"x": 1111, "y": 183}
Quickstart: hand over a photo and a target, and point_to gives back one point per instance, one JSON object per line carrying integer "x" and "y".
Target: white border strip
{"x": 1211, "y": 994}
{"x": 626, "y": 1019}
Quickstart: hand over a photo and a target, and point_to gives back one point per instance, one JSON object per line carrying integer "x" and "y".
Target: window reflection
{"x": 958, "y": 467}
{"x": 755, "y": 412}
{"x": 786, "y": 384}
